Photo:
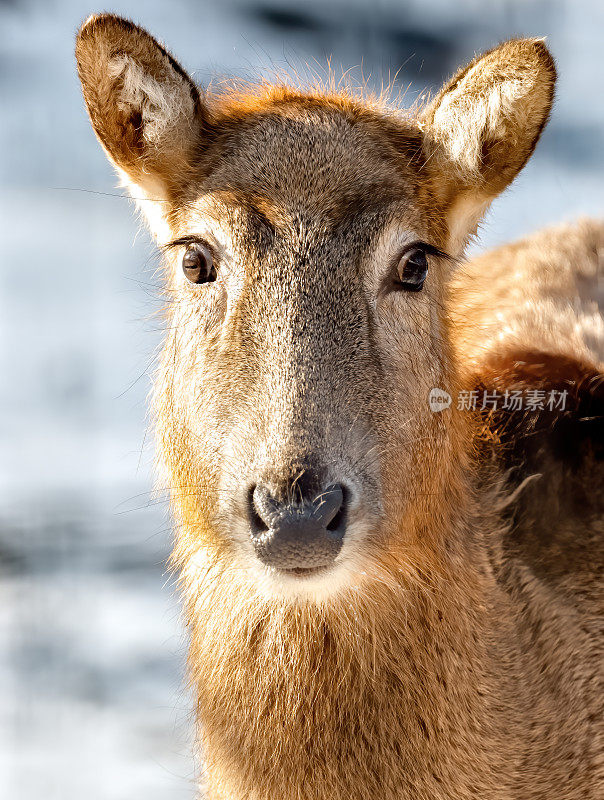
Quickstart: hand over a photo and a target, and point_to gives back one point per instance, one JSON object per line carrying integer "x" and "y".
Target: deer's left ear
{"x": 144, "y": 108}
{"x": 482, "y": 127}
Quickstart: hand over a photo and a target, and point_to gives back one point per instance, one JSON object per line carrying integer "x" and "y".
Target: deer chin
{"x": 322, "y": 582}
{"x": 300, "y": 585}
{"x": 316, "y": 586}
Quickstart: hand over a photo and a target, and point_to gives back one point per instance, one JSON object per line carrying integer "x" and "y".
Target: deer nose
{"x": 298, "y": 536}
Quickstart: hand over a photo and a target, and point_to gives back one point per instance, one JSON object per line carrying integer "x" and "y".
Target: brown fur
{"x": 435, "y": 661}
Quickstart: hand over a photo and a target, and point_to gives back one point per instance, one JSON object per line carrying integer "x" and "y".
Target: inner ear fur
{"x": 484, "y": 124}
{"x": 144, "y": 108}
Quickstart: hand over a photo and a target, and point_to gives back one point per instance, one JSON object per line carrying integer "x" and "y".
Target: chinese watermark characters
{"x": 513, "y": 400}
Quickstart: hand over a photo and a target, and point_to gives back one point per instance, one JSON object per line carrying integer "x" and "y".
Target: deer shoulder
{"x": 530, "y": 335}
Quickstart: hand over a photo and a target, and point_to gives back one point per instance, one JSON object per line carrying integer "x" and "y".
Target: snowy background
{"x": 92, "y": 703}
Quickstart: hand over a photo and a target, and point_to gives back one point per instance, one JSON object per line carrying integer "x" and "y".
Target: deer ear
{"x": 144, "y": 108}
{"x": 484, "y": 124}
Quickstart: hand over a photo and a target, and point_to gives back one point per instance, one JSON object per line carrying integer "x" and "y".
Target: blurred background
{"x": 92, "y": 697}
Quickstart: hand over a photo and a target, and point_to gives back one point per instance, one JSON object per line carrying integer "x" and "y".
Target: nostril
{"x": 338, "y": 520}
{"x": 330, "y": 507}
{"x": 258, "y": 524}
{"x": 291, "y": 535}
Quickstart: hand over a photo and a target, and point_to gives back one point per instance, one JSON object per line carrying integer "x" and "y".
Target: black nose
{"x": 298, "y": 536}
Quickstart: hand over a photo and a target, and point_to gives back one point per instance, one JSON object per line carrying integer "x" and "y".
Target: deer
{"x": 384, "y": 601}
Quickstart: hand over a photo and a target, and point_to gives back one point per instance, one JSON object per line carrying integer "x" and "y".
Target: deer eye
{"x": 411, "y": 270}
{"x": 198, "y": 263}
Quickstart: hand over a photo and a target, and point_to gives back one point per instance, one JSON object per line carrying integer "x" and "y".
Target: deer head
{"x": 309, "y": 238}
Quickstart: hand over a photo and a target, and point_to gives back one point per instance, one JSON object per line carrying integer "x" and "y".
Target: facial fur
{"x": 301, "y": 348}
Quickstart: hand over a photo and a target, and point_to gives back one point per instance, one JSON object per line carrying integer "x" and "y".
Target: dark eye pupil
{"x": 412, "y": 271}
{"x": 198, "y": 264}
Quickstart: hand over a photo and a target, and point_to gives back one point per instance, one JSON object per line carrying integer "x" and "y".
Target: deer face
{"x": 308, "y": 240}
{"x": 304, "y": 364}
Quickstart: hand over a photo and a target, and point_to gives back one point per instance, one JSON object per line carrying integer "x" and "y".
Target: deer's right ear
{"x": 144, "y": 108}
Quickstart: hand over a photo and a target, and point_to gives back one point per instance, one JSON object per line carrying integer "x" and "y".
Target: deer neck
{"x": 390, "y": 691}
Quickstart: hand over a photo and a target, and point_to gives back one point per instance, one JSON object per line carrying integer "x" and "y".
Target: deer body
{"x": 375, "y": 609}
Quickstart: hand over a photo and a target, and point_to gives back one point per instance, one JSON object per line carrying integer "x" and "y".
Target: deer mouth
{"x": 305, "y": 572}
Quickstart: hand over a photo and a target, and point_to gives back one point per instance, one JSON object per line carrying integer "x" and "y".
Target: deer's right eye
{"x": 198, "y": 263}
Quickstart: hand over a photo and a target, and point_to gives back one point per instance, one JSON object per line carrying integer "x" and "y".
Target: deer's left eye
{"x": 412, "y": 270}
